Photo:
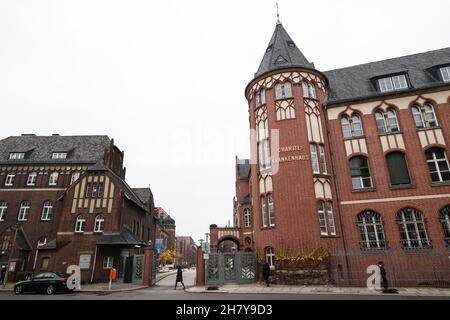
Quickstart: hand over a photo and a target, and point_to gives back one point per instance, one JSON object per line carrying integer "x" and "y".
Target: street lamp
{"x": 207, "y": 243}
{"x": 201, "y": 243}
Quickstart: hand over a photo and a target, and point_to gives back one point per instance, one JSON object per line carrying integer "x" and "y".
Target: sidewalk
{"x": 104, "y": 287}
{"x": 262, "y": 289}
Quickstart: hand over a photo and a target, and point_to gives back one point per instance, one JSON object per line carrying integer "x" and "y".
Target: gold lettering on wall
{"x": 291, "y": 158}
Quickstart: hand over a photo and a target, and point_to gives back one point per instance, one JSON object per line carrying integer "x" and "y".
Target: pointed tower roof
{"x": 282, "y": 53}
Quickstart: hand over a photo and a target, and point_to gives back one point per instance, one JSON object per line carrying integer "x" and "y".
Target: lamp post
{"x": 201, "y": 243}
{"x": 5, "y": 280}
{"x": 207, "y": 243}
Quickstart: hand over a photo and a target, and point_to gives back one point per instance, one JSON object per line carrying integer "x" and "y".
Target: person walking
{"x": 266, "y": 273}
{"x": 384, "y": 281}
{"x": 2, "y": 274}
{"x": 179, "y": 277}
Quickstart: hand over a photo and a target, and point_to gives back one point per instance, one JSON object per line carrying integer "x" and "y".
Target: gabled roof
{"x": 144, "y": 194}
{"x": 356, "y": 82}
{"x": 282, "y": 53}
{"x": 39, "y": 149}
{"x": 122, "y": 237}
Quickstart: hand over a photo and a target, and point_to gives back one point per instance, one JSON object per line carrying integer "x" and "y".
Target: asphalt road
{"x": 164, "y": 290}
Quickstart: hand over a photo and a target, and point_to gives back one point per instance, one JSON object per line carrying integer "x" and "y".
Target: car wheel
{"x": 18, "y": 289}
{"x": 50, "y": 289}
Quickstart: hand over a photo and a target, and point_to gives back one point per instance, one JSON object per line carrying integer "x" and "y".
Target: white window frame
{"x": 346, "y": 127}
{"x": 99, "y": 223}
{"x": 417, "y": 113}
{"x": 270, "y": 256}
{"x": 393, "y": 83}
{"x": 312, "y": 91}
{"x": 371, "y": 221}
{"x": 41, "y": 242}
{"x": 322, "y": 218}
{"x": 283, "y": 90}
{"x": 385, "y": 84}
{"x": 247, "y": 218}
{"x": 330, "y": 218}
{"x": 436, "y": 162}
{"x": 360, "y": 131}
{"x": 392, "y": 119}
{"x": 53, "y": 179}
{"x": 108, "y": 262}
{"x": 75, "y": 176}
{"x": 3, "y": 209}
{"x": 428, "y": 109}
{"x": 314, "y": 158}
{"x": 323, "y": 159}
{"x": 400, "y": 82}
{"x": 305, "y": 90}
{"x": 59, "y": 155}
{"x": 24, "y": 211}
{"x": 445, "y": 73}
{"x": 80, "y": 224}
{"x": 380, "y": 119}
{"x": 9, "y": 180}
{"x": 32, "y": 178}
{"x": 16, "y": 156}
{"x": 403, "y": 222}
{"x": 263, "y": 211}
{"x": 271, "y": 209}
{"x": 47, "y": 211}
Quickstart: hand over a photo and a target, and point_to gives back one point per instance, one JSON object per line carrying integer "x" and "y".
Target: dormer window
{"x": 16, "y": 155}
{"x": 290, "y": 44}
{"x": 393, "y": 83}
{"x": 59, "y": 155}
{"x": 445, "y": 73}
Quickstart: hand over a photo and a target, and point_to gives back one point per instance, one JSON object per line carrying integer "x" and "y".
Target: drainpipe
{"x": 35, "y": 259}
{"x": 93, "y": 264}
{"x": 336, "y": 187}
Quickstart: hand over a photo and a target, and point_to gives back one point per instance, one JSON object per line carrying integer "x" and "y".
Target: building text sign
{"x": 85, "y": 261}
{"x": 299, "y": 156}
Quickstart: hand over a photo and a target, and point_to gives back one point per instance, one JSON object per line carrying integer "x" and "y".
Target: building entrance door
{"x": 128, "y": 272}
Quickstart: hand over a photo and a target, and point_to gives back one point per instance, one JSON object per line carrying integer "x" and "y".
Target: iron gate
{"x": 239, "y": 267}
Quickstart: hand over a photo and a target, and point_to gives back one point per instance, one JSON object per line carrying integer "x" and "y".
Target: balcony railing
{"x": 374, "y": 245}
{"x": 418, "y": 244}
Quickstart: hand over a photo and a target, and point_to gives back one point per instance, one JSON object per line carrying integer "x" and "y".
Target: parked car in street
{"x": 47, "y": 282}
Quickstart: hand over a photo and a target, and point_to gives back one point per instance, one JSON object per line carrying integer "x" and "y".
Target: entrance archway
{"x": 228, "y": 245}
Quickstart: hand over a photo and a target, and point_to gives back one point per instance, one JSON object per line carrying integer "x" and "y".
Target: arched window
{"x": 31, "y": 181}
{"x": 305, "y": 90}
{"x": 80, "y": 223}
{"x": 346, "y": 129}
{"x": 24, "y": 211}
{"x": 263, "y": 211}
{"x": 260, "y": 98}
{"x": 392, "y": 121}
{"x": 357, "y": 126}
{"x": 247, "y": 218}
{"x": 314, "y": 158}
{"x": 371, "y": 231}
{"x": 438, "y": 164}
{"x": 381, "y": 122}
{"x": 283, "y": 90}
{"x": 424, "y": 117}
{"x": 445, "y": 219}
{"x": 323, "y": 161}
{"x": 398, "y": 169}
{"x": 9, "y": 180}
{"x": 271, "y": 210}
{"x": 47, "y": 211}
{"x": 3, "y": 208}
{"x": 99, "y": 223}
{"x": 74, "y": 177}
{"x": 270, "y": 256}
{"x": 53, "y": 179}
{"x": 359, "y": 168}
{"x": 412, "y": 229}
{"x": 312, "y": 91}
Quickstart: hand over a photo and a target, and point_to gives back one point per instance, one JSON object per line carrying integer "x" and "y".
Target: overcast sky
{"x": 166, "y": 79}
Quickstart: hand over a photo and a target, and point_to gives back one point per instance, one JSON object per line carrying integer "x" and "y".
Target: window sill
{"x": 355, "y": 137}
{"x": 362, "y": 190}
{"x": 417, "y": 250}
{"x": 440, "y": 184}
{"x": 374, "y": 250}
{"x": 403, "y": 186}
{"x": 284, "y": 98}
{"x": 46, "y": 220}
{"x": 267, "y": 228}
{"x": 428, "y": 128}
{"x": 322, "y": 175}
{"x": 389, "y": 133}
{"x": 286, "y": 119}
{"x": 323, "y": 236}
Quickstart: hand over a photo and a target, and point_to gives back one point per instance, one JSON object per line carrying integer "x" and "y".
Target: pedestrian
{"x": 384, "y": 281}
{"x": 2, "y": 274}
{"x": 266, "y": 273}
{"x": 179, "y": 277}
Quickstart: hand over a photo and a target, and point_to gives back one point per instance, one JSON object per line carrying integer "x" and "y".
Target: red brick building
{"x": 165, "y": 230}
{"x": 354, "y": 160}
{"x": 68, "y": 199}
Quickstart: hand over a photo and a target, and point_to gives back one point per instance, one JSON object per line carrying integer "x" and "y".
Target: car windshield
{"x": 62, "y": 274}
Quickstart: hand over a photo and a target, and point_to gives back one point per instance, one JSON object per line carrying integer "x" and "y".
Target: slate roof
{"x": 357, "y": 82}
{"x": 144, "y": 194}
{"x": 167, "y": 221}
{"x": 282, "y": 53}
{"x": 122, "y": 237}
{"x": 80, "y": 149}
{"x": 244, "y": 169}
{"x": 22, "y": 239}
{"x": 51, "y": 245}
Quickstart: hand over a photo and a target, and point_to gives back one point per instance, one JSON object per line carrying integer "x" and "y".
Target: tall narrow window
{"x": 359, "y": 168}
{"x": 323, "y": 161}
{"x": 445, "y": 220}
{"x": 88, "y": 190}
{"x": 98, "y": 224}
{"x": 270, "y": 256}
{"x": 47, "y": 211}
{"x": 346, "y": 130}
{"x": 330, "y": 216}
{"x": 74, "y": 177}
{"x": 438, "y": 165}
{"x": 3, "y": 208}
{"x": 322, "y": 218}
{"x": 283, "y": 90}
{"x": 305, "y": 90}
{"x": 381, "y": 122}
{"x": 108, "y": 262}
{"x": 10, "y": 177}
{"x": 371, "y": 231}
{"x": 312, "y": 91}
{"x": 53, "y": 180}
{"x": 271, "y": 210}
{"x": 398, "y": 169}
{"x": 263, "y": 211}
{"x": 314, "y": 158}
{"x": 430, "y": 115}
{"x": 357, "y": 126}
{"x": 260, "y": 98}
{"x": 418, "y": 118}
{"x": 445, "y": 74}
{"x": 80, "y": 224}
{"x": 392, "y": 121}
{"x": 24, "y": 211}
{"x": 247, "y": 218}
{"x": 412, "y": 229}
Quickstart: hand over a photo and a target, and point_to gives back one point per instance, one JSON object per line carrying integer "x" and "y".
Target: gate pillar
{"x": 200, "y": 270}
{"x": 148, "y": 266}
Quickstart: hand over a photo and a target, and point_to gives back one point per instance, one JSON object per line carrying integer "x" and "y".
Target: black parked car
{"x": 48, "y": 282}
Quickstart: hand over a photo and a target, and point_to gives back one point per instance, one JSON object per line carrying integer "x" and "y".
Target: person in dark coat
{"x": 2, "y": 275}
{"x": 179, "y": 277}
{"x": 384, "y": 281}
{"x": 266, "y": 273}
